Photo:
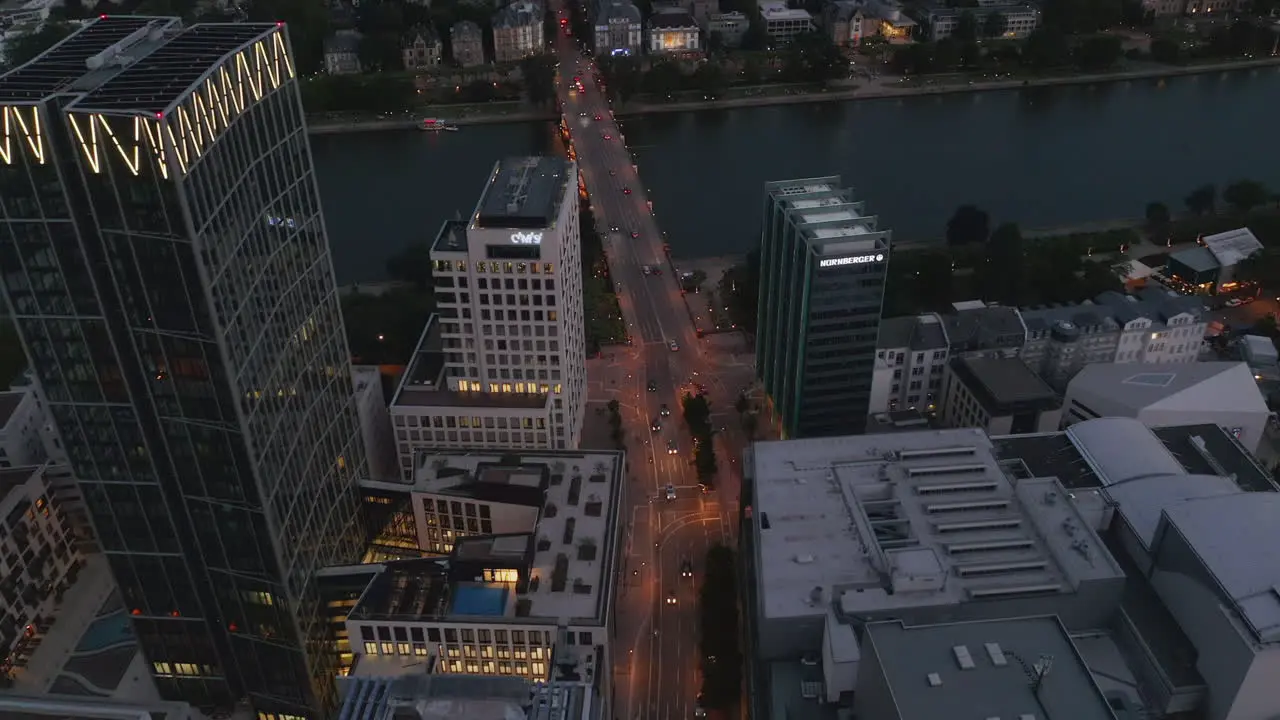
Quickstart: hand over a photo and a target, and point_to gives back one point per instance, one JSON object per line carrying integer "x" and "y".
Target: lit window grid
{"x": 496, "y": 657}
{"x": 420, "y": 429}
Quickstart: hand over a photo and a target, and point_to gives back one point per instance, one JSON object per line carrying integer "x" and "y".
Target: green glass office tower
{"x": 822, "y": 271}
{"x": 164, "y": 257}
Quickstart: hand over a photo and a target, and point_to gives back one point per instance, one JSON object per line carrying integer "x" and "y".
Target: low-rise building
{"x": 1000, "y": 395}
{"x": 730, "y": 26}
{"x": 427, "y": 414}
{"x": 893, "y": 24}
{"x": 1011, "y": 668}
{"x": 1017, "y": 20}
{"x": 847, "y": 23}
{"x": 673, "y": 31}
{"x": 419, "y": 693}
{"x": 618, "y": 29}
{"x": 783, "y": 23}
{"x": 466, "y": 40}
{"x": 342, "y": 53}
{"x": 1210, "y": 266}
{"x": 517, "y": 31}
{"x": 1161, "y": 394}
{"x": 38, "y": 559}
{"x": 919, "y": 526}
{"x": 525, "y": 580}
{"x": 420, "y": 49}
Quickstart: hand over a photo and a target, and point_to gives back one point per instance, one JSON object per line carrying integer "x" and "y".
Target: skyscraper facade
{"x": 822, "y": 269}
{"x": 164, "y": 256}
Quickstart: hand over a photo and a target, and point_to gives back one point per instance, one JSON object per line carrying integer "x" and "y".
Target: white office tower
{"x": 510, "y": 319}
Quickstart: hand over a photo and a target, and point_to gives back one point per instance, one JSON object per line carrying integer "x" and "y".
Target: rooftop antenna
{"x": 1041, "y": 669}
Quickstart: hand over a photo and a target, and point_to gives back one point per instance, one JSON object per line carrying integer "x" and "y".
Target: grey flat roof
{"x": 9, "y": 402}
{"x": 1232, "y": 246}
{"x": 452, "y": 237}
{"x": 14, "y": 478}
{"x": 524, "y": 193}
{"x": 1222, "y": 448}
{"x": 64, "y": 63}
{"x": 1048, "y": 455}
{"x": 895, "y": 332}
{"x": 1000, "y": 382}
{"x": 1198, "y": 259}
{"x": 999, "y": 684}
{"x": 1196, "y": 386}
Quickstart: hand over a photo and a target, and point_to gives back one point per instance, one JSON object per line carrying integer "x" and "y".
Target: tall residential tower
{"x": 822, "y": 270}
{"x": 164, "y": 257}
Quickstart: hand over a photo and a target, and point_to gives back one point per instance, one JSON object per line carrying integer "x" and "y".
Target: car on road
{"x": 698, "y": 712}
{"x": 671, "y": 597}
{"x": 653, "y": 386}
{"x": 607, "y": 136}
{"x": 671, "y": 492}
{"x": 671, "y": 448}
{"x": 1239, "y": 301}
{"x": 656, "y": 425}
{"x": 582, "y": 114}
{"x": 598, "y": 117}
{"x": 686, "y": 568}
{"x": 613, "y": 228}
{"x": 645, "y": 269}
{"x": 626, "y": 191}
{"x": 664, "y": 411}
{"x": 634, "y": 233}
{"x": 612, "y": 173}
{"x": 675, "y": 346}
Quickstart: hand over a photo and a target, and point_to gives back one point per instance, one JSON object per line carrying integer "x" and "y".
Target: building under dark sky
{"x": 164, "y": 257}
{"x": 823, "y": 262}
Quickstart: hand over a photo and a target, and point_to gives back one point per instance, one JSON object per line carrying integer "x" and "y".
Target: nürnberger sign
{"x": 851, "y": 260}
{"x": 523, "y": 238}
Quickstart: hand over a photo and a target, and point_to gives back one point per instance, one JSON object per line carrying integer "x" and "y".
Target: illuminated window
{"x": 558, "y": 388}
{"x": 500, "y": 575}
{"x": 539, "y": 669}
{"x": 548, "y": 268}
{"x": 419, "y": 649}
{"x": 386, "y": 648}
{"x": 488, "y": 667}
{"x": 371, "y": 648}
{"x": 402, "y": 648}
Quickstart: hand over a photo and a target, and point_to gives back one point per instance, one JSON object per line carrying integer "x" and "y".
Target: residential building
{"x": 342, "y": 53}
{"x": 673, "y": 31}
{"x": 1163, "y": 8}
{"x": 466, "y": 40}
{"x": 375, "y": 423}
{"x": 893, "y": 23}
{"x": 1155, "y": 326}
{"x": 823, "y": 261}
{"x": 1019, "y": 20}
{"x": 524, "y": 584}
{"x": 1026, "y": 667}
{"x": 913, "y": 352}
{"x": 843, "y": 21}
{"x": 517, "y": 32}
{"x": 435, "y": 697}
{"x": 22, "y": 422}
{"x": 701, "y": 10}
{"x": 1160, "y": 394}
{"x": 783, "y": 23}
{"x": 730, "y": 26}
{"x": 428, "y": 413}
{"x": 619, "y": 29}
{"x": 509, "y": 344}
{"x": 1000, "y": 395}
{"x": 1209, "y": 267}
{"x": 420, "y": 48}
{"x": 218, "y": 448}
{"x": 38, "y": 560}
{"x": 922, "y": 527}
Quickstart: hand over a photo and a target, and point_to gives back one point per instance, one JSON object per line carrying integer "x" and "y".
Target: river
{"x": 1042, "y": 157}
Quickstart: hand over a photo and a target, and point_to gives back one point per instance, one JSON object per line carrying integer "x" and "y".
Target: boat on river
{"x": 437, "y": 125}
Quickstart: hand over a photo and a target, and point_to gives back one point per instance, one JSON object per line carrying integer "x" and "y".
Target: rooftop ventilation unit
{"x": 978, "y": 526}
{"x": 936, "y": 470}
{"x": 963, "y": 658}
{"x": 950, "y": 488}
{"x": 968, "y": 571}
{"x": 1013, "y": 591}
{"x": 993, "y": 546}
{"x": 936, "y": 453}
{"x": 935, "y": 679}
{"x": 977, "y": 506}
{"x": 996, "y": 654}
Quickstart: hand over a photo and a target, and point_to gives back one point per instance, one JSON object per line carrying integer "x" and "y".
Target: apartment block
{"x": 619, "y": 29}
{"x": 518, "y": 32}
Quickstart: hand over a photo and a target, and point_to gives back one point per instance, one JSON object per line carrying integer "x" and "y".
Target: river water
{"x": 1042, "y": 157}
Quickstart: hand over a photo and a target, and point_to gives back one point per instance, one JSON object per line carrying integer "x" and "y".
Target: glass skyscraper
{"x": 822, "y": 270}
{"x": 164, "y": 257}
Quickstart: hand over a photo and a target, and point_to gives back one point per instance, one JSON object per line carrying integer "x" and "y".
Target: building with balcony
{"x": 523, "y": 580}
{"x": 673, "y": 31}
{"x": 420, "y": 48}
{"x": 38, "y": 559}
{"x": 619, "y": 29}
{"x": 1018, "y": 21}
{"x": 783, "y": 23}
{"x": 466, "y": 41}
{"x": 517, "y": 31}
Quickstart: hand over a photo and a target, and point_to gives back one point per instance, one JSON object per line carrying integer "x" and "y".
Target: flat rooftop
{"x": 525, "y": 193}
{"x": 452, "y": 237}
{"x": 9, "y": 402}
{"x": 474, "y": 697}
{"x": 994, "y": 669}
{"x": 910, "y": 519}
{"x": 999, "y": 383}
{"x": 575, "y": 534}
{"x": 64, "y": 64}
{"x": 13, "y": 478}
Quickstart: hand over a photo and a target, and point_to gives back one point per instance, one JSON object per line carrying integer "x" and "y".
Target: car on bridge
{"x": 653, "y": 386}
{"x": 664, "y": 411}
{"x": 671, "y": 597}
{"x": 686, "y": 568}
{"x": 656, "y": 425}
{"x": 675, "y": 346}
{"x": 671, "y": 492}
{"x": 671, "y": 448}
{"x": 626, "y": 191}
{"x": 634, "y": 233}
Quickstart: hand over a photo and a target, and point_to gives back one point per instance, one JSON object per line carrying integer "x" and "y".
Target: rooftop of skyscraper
{"x": 524, "y": 193}
{"x": 424, "y": 383}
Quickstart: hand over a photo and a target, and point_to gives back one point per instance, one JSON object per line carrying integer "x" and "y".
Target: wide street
{"x": 657, "y": 638}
